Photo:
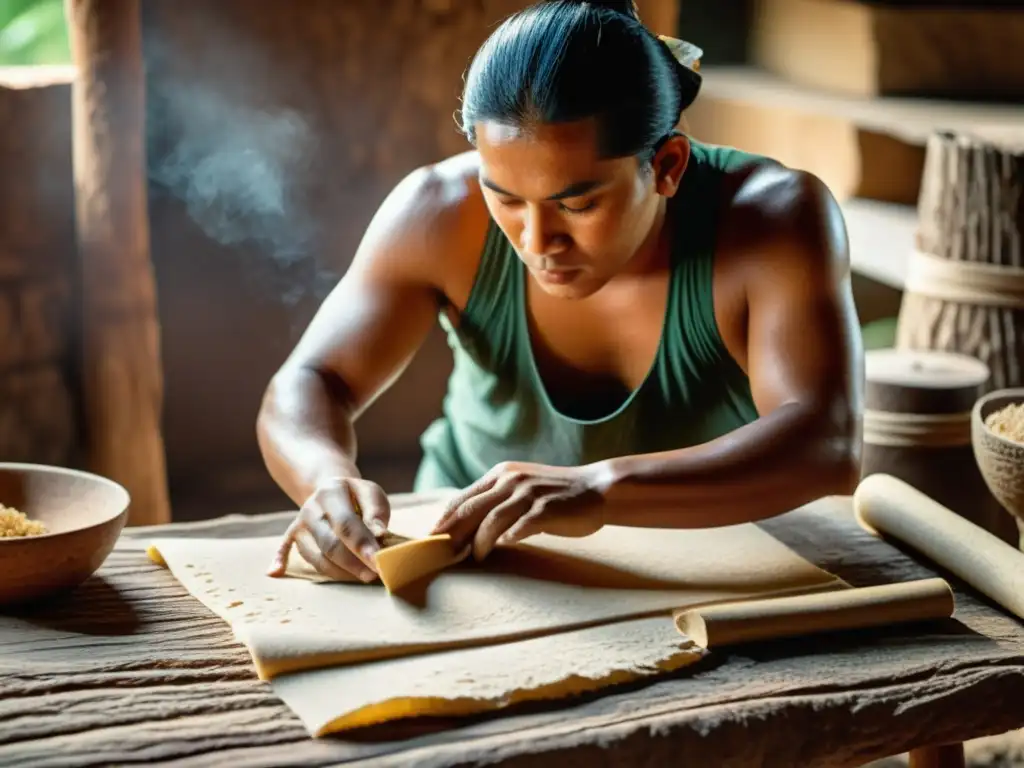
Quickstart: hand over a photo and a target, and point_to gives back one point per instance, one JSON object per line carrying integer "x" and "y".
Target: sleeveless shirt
{"x": 496, "y": 408}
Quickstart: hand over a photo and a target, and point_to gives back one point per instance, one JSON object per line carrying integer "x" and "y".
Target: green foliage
{"x": 33, "y": 32}
{"x": 881, "y": 334}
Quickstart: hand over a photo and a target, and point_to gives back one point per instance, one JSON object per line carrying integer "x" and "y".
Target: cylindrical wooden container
{"x": 917, "y": 427}
{"x": 965, "y": 280}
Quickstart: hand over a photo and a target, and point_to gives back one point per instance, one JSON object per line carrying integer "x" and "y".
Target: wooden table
{"x": 130, "y": 668}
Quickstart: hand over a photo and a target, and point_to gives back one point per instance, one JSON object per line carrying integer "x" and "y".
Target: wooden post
{"x": 946, "y": 756}
{"x": 122, "y": 377}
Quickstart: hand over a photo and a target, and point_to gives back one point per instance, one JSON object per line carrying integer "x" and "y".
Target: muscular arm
{"x": 360, "y": 340}
{"x": 804, "y": 360}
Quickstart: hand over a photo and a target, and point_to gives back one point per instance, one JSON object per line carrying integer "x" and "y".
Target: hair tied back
{"x": 625, "y": 7}
{"x": 687, "y": 57}
{"x": 687, "y": 54}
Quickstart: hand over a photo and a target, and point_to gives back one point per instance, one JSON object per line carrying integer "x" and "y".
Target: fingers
{"x": 561, "y": 515}
{"x": 467, "y": 518}
{"x": 341, "y": 513}
{"x": 500, "y": 518}
{"x": 311, "y": 552}
{"x": 521, "y": 529}
{"x": 373, "y": 505}
{"x": 330, "y": 532}
{"x": 279, "y": 564}
{"x": 451, "y": 515}
{"x": 332, "y": 549}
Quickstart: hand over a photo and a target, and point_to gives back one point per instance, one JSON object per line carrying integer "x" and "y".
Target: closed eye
{"x": 576, "y": 209}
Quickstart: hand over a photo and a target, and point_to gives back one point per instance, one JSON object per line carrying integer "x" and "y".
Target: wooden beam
{"x": 122, "y": 377}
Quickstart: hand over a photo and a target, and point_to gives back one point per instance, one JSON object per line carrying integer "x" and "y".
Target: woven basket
{"x": 1000, "y": 459}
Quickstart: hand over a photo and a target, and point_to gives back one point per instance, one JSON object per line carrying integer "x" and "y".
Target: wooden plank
{"x": 851, "y": 160}
{"x": 37, "y": 76}
{"x": 131, "y": 668}
{"x": 911, "y": 120}
{"x": 866, "y": 49}
{"x": 881, "y": 239}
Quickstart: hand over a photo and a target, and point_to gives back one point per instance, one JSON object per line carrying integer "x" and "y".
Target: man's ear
{"x": 669, "y": 163}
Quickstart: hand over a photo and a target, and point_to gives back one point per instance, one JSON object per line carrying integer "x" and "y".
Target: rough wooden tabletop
{"x": 130, "y": 669}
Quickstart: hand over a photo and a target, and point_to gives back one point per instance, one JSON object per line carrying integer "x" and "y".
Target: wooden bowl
{"x": 1000, "y": 459}
{"x": 83, "y": 514}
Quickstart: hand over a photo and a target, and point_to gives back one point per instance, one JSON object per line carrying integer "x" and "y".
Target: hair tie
{"x": 687, "y": 58}
{"x": 687, "y": 54}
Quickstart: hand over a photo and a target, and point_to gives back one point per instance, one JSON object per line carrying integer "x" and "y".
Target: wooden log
{"x": 121, "y": 370}
{"x": 965, "y": 282}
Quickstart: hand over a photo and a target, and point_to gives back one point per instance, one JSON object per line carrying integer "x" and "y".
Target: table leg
{"x": 945, "y": 756}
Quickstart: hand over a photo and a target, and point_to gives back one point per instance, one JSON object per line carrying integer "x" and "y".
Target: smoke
{"x": 240, "y": 172}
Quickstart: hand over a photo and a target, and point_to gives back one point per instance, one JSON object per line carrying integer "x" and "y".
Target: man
{"x": 648, "y": 330}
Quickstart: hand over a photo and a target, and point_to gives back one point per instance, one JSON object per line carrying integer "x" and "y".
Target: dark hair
{"x": 566, "y": 60}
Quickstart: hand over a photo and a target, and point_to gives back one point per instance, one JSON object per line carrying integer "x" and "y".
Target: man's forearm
{"x": 787, "y": 458}
{"x": 304, "y": 433}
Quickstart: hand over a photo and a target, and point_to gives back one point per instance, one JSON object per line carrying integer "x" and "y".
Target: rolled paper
{"x": 888, "y": 506}
{"x": 716, "y": 626}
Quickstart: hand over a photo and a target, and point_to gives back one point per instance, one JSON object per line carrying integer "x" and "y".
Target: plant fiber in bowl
{"x": 1000, "y": 458}
{"x": 83, "y": 514}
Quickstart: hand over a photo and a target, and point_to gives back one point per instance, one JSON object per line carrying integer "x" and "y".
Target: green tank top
{"x": 496, "y": 407}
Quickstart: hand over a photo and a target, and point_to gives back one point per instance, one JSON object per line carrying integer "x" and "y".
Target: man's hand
{"x": 518, "y": 499}
{"x": 336, "y": 529}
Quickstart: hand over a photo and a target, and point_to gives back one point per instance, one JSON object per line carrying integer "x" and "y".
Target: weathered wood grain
{"x": 131, "y": 669}
{"x": 971, "y": 210}
{"x": 38, "y": 410}
{"x": 121, "y": 369}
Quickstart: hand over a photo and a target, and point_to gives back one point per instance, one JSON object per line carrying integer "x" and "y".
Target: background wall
{"x": 273, "y": 135}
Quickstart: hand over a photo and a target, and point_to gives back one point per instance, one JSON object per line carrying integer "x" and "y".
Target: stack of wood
{"x": 965, "y": 284}
{"x": 851, "y": 90}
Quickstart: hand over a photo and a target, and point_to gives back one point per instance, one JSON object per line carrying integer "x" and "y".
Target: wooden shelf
{"x": 17, "y": 78}
{"x": 881, "y": 239}
{"x": 909, "y": 119}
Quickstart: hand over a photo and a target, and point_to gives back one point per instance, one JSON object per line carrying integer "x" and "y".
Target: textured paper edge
{"x": 418, "y": 707}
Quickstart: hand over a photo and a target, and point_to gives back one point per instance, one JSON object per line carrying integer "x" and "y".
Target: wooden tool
{"x": 402, "y": 560}
{"x": 716, "y": 626}
{"x": 888, "y": 506}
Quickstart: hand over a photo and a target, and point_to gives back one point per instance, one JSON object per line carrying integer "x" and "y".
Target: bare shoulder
{"x": 431, "y": 223}
{"x": 781, "y": 218}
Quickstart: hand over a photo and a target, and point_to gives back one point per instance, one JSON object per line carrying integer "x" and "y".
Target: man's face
{"x": 574, "y": 219}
